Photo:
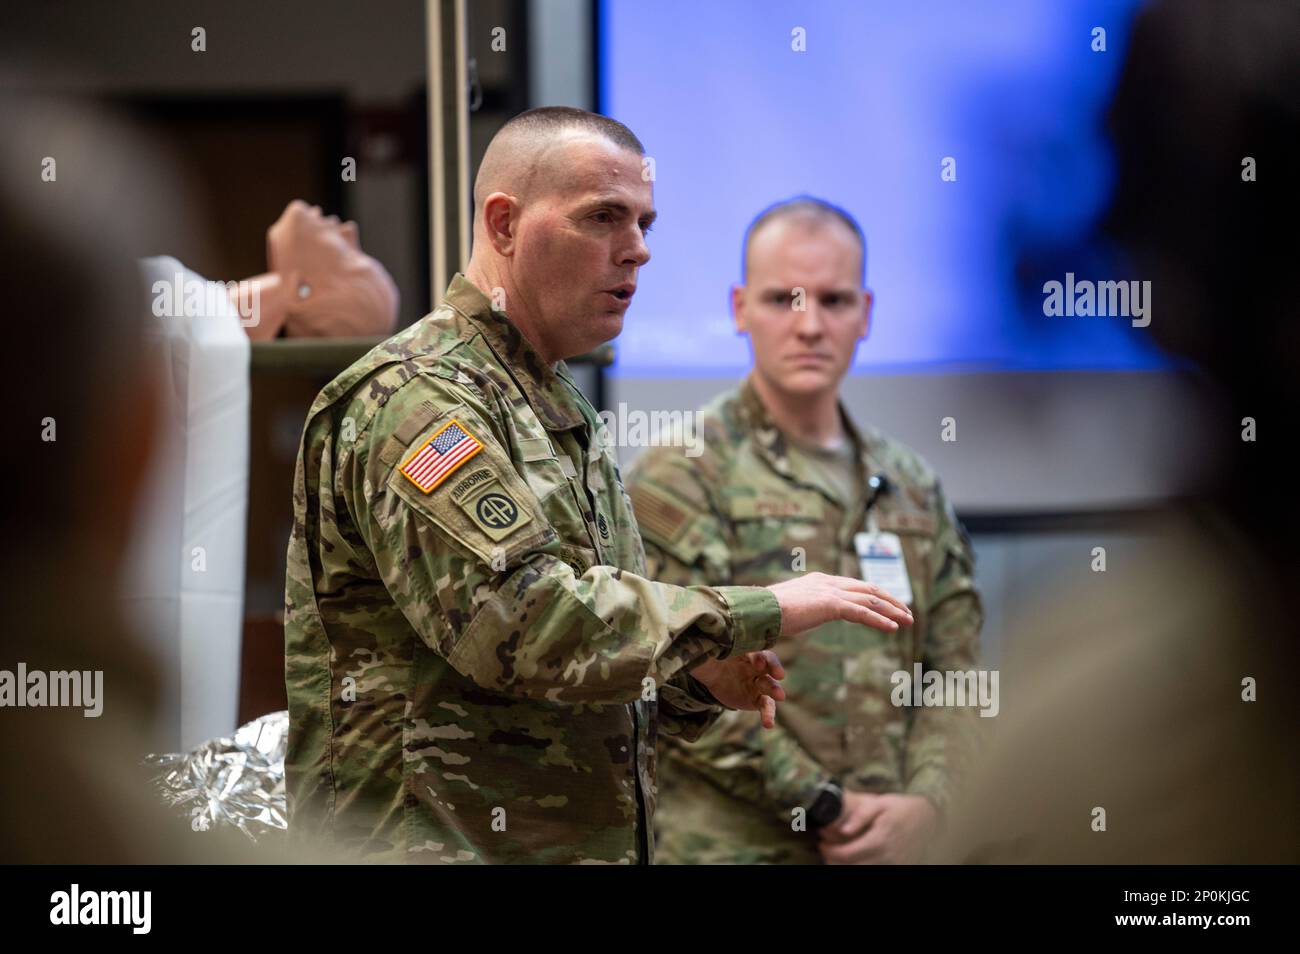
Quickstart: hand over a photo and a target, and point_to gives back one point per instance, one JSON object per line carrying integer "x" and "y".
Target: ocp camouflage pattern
{"x": 745, "y": 512}
{"x": 478, "y": 673}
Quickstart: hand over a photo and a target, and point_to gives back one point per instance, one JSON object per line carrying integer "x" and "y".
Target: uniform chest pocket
{"x": 560, "y": 495}
{"x": 916, "y": 531}
{"x": 778, "y": 537}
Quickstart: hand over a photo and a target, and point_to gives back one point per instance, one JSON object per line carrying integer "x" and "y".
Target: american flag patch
{"x": 441, "y": 454}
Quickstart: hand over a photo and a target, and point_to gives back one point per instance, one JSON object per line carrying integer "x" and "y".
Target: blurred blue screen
{"x": 736, "y": 119}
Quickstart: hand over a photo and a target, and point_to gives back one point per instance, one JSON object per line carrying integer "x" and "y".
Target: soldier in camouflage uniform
{"x": 477, "y": 666}
{"x": 765, "y": 503}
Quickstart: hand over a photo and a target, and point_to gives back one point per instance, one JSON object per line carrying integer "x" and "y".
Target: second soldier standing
{"x": 785, "y": 487}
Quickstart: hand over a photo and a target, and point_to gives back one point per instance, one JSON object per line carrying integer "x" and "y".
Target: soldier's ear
{"x": 738, "y": 308}
{"x": 867, "y": 301}
{"x": 501, "y": 221}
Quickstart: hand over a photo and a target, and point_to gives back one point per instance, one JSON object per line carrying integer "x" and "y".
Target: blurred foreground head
{"x": 79, "y": 196}
{"x": 1153, "y": 716}
{"x": 1206, "y": 128}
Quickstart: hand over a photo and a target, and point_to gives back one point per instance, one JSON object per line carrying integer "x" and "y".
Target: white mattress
{"x": 185, "y": 580}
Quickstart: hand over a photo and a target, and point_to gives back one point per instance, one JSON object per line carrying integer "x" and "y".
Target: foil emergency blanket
{"x": 236, "y": 781}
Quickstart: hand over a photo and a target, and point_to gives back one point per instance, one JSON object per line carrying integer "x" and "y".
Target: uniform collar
{"x": 545, "y": 386}
{"x": 774, "y": 447}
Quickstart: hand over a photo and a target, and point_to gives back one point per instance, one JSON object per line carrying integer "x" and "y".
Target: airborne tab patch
{"x": 441, "y": 455}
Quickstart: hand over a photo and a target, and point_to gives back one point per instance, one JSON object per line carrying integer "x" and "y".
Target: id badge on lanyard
{"x": 880, "y": 557}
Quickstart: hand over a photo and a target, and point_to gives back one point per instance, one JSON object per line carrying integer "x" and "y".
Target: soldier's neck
{"x": 812, "y": 420}
{"x": 501, "y": 291}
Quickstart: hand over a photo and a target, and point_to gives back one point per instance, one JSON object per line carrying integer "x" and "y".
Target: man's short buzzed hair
{"x": 510, "y": 162}
{"x": 806, "y": 208}
{"x": 554, "y": 119}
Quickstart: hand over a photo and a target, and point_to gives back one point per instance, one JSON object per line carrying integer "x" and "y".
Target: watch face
{"x": 827, "y": 807}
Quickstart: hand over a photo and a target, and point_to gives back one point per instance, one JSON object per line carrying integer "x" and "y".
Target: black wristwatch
{"x": 827, "y": 806}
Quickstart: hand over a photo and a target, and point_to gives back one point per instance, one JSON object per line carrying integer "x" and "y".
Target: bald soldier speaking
{"x": 476, "y": 665}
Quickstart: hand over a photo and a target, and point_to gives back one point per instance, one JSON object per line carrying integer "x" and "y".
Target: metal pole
{"x": 449, "y": 209}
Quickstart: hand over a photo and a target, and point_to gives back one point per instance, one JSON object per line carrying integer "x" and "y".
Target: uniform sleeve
{"x": 943, "y": 739}
{"x": 686, "y": 708}
{"x": 686, "y": 544}
{"x": 739, "y": 751}
{"x": 765, "y": 767}
{"x": 673, "y": 519}
{"x": 485, "y": 581}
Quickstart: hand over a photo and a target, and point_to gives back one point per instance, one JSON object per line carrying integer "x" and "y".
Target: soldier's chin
{"x": 807, "y": 380}
{"x": 607, "y": 326}
{"x": 588, "y": 334}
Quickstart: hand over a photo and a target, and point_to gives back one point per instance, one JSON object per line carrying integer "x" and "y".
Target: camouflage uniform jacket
{"x": 475, "y": 661}
{"x": 744, "y": 512}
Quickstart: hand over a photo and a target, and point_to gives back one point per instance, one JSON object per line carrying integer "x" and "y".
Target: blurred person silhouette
{"x": 79, "y": 199}
{"x": 1150, "y": 714}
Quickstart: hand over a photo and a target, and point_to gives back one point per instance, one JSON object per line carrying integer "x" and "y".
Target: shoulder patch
{"x": 492, "y": 507}
{"x": 440, "y": 456}
{"x": 657, "y": 513}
